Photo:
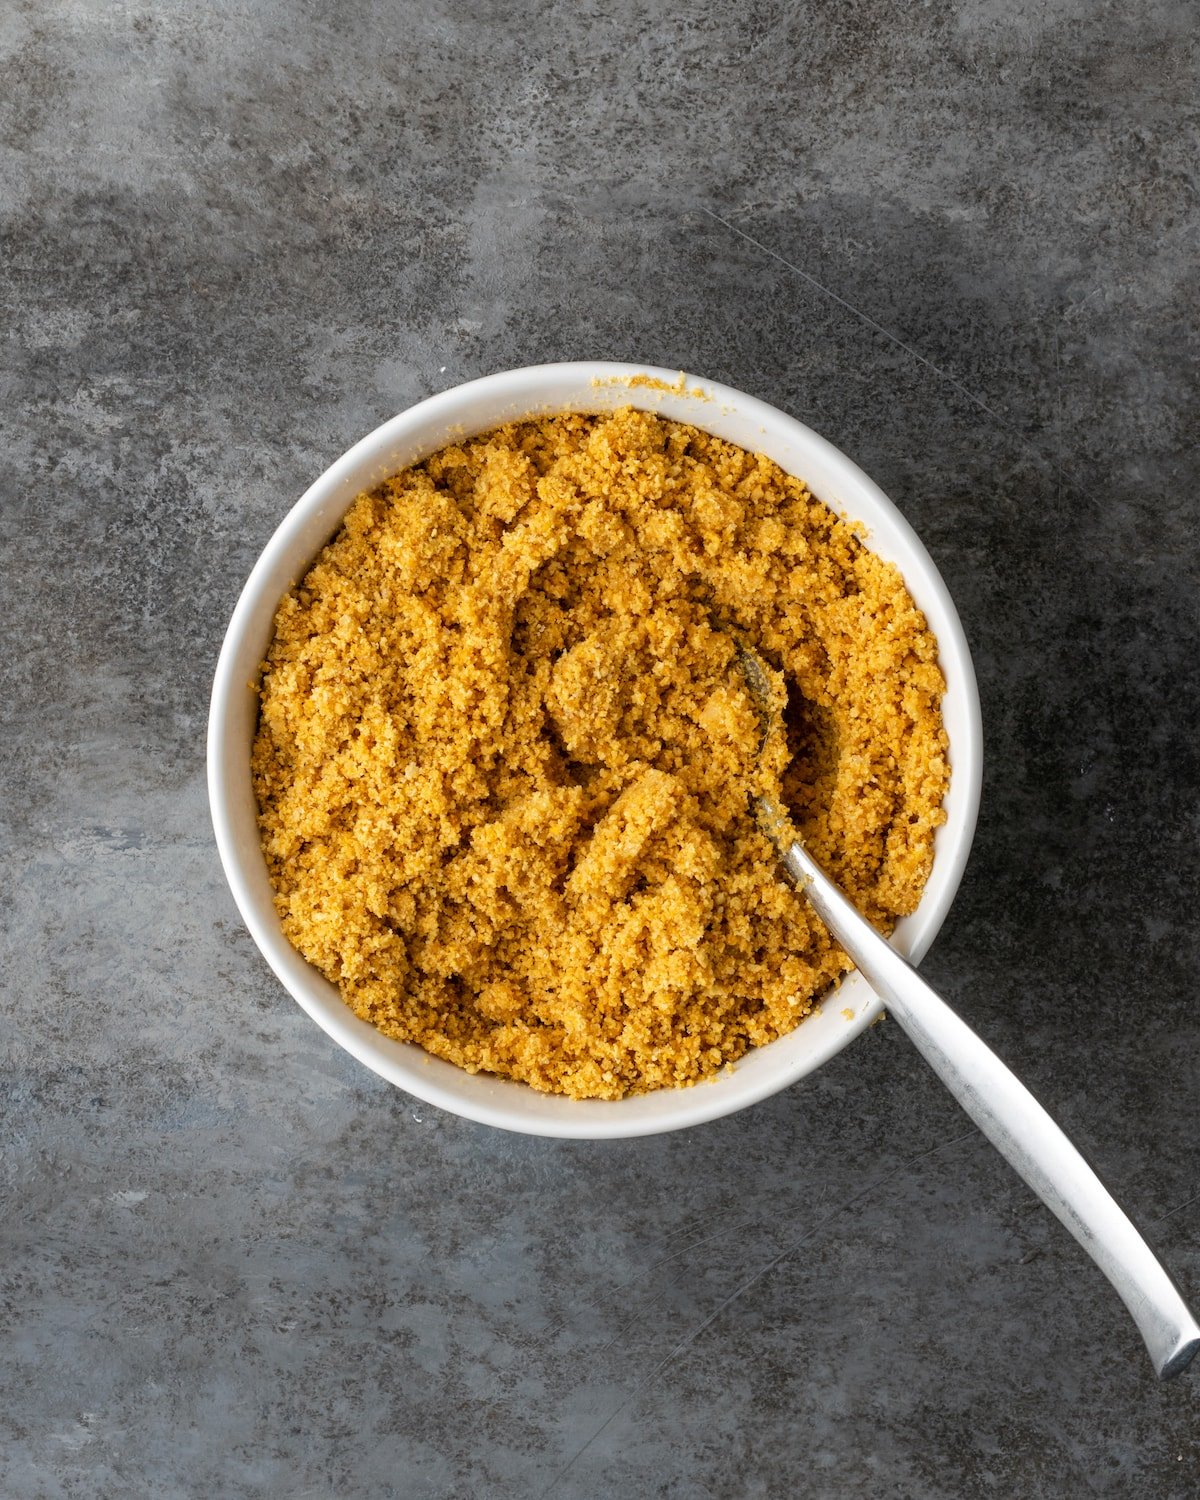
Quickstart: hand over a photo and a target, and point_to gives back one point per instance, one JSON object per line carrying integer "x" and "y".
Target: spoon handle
{"x": 1014, "y": 1122}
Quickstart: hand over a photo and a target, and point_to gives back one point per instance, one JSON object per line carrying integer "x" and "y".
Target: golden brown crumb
{"x": 676, "y": 387}
{"x": 504, "y": 757}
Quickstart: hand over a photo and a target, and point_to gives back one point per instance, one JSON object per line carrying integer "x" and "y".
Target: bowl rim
{"x": 318, "y": 513}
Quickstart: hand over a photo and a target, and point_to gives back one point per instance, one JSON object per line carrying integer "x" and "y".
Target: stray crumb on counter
{"x": 504, "y": 758}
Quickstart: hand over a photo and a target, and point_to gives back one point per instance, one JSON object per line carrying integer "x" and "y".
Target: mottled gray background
{"x": 960, "y": 240}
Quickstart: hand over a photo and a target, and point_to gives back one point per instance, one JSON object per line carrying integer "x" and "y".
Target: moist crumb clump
{"x": 505, "y": 758}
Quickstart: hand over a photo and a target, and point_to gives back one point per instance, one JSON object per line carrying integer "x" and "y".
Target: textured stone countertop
{"x": 958, "y": 239}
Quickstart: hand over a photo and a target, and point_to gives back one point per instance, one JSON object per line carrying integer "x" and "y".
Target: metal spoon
{"x": 1002, "y": 1107}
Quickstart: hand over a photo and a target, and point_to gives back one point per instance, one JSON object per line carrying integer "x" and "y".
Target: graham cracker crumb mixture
{"x": 505, "y": 758}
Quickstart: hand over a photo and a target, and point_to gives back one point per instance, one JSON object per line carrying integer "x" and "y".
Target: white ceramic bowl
{"x": 412, "y": 436}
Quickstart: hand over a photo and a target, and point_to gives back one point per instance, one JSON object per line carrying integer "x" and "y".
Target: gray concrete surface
{"x": 960, "y": 239}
